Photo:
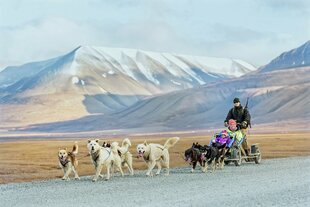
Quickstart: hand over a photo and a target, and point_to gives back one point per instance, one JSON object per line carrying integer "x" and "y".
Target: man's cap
{"x": 236, "y": 100}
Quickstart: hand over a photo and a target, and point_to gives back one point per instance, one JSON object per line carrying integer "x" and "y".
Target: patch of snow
{"x": 176, "y": 83}
{"x": 75, "y": 80}
{"x": 128, "y": 71}
{"x": 104, "y": 75}
{"x": 83, "y": 83}
{"x": 161, "y": 59}
{"x": 245, "y": 64}
{"x": 183, "y": 66}
{"x": 214, "y": 76}
{"x": 111, "y": 72}
{"x": 72, "y": 69}
{"x": 146, "y": 71}
{"x": 303, "y": 62}
{"x": 177, "y": 65}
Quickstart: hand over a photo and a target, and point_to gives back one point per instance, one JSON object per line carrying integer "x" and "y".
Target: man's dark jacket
{"x": 239, "y": 114}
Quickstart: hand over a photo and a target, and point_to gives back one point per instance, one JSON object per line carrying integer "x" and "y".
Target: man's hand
{"x": 244, "y": 124}
{"x": 225, "y": 124}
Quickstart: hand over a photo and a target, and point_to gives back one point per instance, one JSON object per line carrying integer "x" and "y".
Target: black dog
{"x": 216, "y": 154}
{"x": 194, "y": 155}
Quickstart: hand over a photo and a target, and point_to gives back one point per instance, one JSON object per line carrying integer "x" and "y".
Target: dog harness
{"x": 64, "y": 162}
{"x": 95, "y": 156}
{"x": 148, "y": 157}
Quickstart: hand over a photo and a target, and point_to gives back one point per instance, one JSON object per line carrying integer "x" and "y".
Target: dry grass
{"x": 36, "y": 160}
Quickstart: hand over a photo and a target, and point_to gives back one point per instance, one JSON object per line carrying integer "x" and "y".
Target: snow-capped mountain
{"x": 157, "y": 69}
{"x": 279, "y": 97}
{"x": 90, "y": 80}
{"x": 298, "y": 57}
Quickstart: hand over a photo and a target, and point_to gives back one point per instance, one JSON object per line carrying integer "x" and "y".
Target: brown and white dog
{"x": 68, "y": 161}
{"x": 156, "y": 154}
{"x": 104, "y": 156}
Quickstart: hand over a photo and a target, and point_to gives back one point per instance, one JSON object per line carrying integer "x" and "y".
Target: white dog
{"x": 156, "y": 154}
{"x": 68, "y": 161}
{"x": 126, "y": 156}
{"x": 104, "y": 156}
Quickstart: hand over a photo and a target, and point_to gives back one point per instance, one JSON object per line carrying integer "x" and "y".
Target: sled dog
{"x": 68, "y": 161}
{"x": 156, "y": 154}
{"x": 126, "y": 156}
{"x": 101, "y": 156}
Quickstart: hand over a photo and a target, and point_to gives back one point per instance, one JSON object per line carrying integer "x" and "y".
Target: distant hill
{"x": 298, "y": 57}
{"x": 280, "y": 97}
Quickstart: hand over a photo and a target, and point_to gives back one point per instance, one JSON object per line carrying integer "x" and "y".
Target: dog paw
{"x": 77, "y": 178}
{"x": 94, "y": 180}
{"x": 106, "y": 179}
{"x": 63, "y": 178}
{"x": 101, "y": 176}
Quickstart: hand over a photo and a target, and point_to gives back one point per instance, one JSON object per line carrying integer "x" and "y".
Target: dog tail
{"x": 114, "y": 147}
{"x": 171, "y": 142}
{"x": 75, "y": 148}
{"x": 126, "y": 142}
{"x": 125, "y": 145}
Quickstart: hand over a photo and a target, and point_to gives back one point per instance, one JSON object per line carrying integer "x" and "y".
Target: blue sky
{"x": 253, "y": 30}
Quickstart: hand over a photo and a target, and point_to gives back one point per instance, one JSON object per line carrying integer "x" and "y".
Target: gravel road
{"x": 277, "y": 182}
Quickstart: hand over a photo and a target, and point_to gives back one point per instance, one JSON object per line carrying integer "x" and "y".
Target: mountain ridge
{"x": 102, "y": 80}
{"x": 297, "y": 57}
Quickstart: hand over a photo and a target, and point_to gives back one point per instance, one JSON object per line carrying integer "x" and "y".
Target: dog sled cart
{"x": 236, "y": 154}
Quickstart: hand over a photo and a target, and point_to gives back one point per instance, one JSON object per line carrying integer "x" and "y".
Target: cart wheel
{"x": 238, "y": 156}
{"x": 258, "y": 158}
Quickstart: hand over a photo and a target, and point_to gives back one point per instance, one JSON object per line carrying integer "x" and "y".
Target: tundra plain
{"x": 29, "y": 160}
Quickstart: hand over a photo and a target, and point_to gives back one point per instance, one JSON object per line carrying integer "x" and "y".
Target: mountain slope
{"x": 91, "y": 80}
{"x": 298, "y": 57}
{"x": 278, "y": 97}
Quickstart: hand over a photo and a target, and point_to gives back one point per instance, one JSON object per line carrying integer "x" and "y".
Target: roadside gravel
{"x": 277, "y": 182}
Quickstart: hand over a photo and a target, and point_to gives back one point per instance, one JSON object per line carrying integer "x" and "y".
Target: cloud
{"x": 43, "y": 39}
{"x": 254, "y": 46}
{"x": 255, "y": 31}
